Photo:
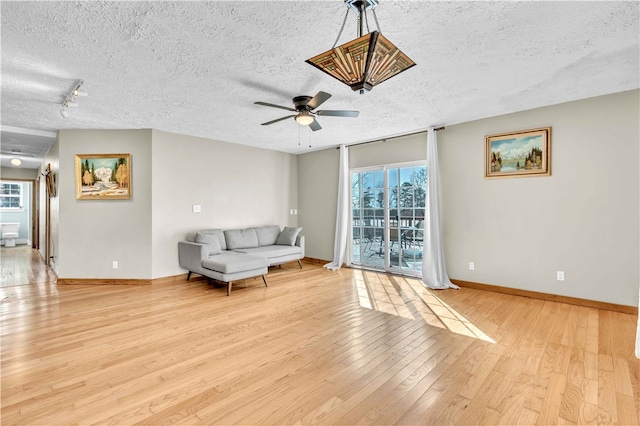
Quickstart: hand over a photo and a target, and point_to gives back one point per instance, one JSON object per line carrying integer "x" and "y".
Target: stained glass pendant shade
{"x": 364, "y": 62}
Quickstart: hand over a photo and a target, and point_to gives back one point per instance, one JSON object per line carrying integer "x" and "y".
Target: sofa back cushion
{"x": 288, "y": 236}
{"x": 241, "y": 238}
{"x": 218, "y": 233}
{"x": 267, "y": 235}
{"x": 210, "y": 240}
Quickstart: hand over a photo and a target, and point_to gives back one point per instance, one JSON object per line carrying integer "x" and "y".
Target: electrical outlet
{"x": 560, "y": 275}
{"x": 472, "y": 266}
{"x": 115, "y": 264}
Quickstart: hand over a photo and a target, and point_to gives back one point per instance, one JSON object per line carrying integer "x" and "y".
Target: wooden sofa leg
{"x": 229, "y": 289}
{"x": 188, "y": 275}
{"x": 265, "y": 281}
{"x": 300, "y": 263}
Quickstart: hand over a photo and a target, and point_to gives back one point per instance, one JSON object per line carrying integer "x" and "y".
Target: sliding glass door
{"x": 387, "y": 226}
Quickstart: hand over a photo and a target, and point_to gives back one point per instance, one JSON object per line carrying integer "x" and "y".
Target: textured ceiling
{"x": 196, "y": 68}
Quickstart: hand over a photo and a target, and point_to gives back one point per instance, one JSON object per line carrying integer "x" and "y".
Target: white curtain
{"x": 434, "y": 271}
{"x": 342, "y": 216}
{"x": 638, "y": 333}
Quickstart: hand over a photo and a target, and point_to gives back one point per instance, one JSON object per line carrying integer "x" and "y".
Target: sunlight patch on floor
{"x": 409, "y": 298}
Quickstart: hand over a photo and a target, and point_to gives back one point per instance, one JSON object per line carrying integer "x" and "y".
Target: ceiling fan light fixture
{"x": 304, "y": 118}
{"x": 366, "y": 61}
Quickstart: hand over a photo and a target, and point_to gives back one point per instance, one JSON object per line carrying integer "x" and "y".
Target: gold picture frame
{"x": 524, "y": 153}
{"x": 103, "y": 176}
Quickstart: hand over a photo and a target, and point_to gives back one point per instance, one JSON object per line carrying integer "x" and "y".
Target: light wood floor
{"x": 20, "y": 265}
{"x": 315, "y": 347}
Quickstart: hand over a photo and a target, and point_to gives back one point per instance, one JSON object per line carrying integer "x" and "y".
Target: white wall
{"x": 582, "y": 220}
{"x": 19, "y": 173}
{"x": 404, "y": 149}
{"x": 318, "y": 198}
{"x": 236, "y": 186}
{"x": 93, "y": 233}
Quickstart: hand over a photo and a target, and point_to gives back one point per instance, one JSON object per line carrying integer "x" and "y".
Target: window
{"x": 11, "y": 195}
{"x": 388, "y": 213}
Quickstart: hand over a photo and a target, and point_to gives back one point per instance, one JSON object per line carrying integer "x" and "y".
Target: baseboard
{"x": 315, "y": 261}
{"x": 468, "y": 284}
{"x": 102, "y": 281}
{"x": 550, "y": 297}
{"x": 179, "y": 277}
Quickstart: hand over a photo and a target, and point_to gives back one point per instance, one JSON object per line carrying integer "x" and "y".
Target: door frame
{"x": 387, "y": 267}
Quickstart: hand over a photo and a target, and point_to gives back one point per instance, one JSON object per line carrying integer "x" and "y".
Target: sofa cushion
{"x": 229, "y": 262}
{"x": 241, "y": 238}
{"x": 209, "y": 240}
{"x": 218, "y": 233}
{"x": 288, "y": 236}
{"x": 271, "y": 252}
{"x": 267, "y": 235}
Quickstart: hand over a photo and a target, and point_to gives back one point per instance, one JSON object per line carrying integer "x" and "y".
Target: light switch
{"x": 196, "y": 208}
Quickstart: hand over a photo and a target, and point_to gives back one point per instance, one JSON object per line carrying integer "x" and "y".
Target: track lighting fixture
{"x": 70, "y": 99}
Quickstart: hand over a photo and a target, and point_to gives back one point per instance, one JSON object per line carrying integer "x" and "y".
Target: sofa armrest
{"x": 191, "y": 255}
{"x": 300, "y": 243}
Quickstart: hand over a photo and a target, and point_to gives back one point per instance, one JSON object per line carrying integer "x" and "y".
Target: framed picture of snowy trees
{"x": 518, "y": 154}
{"x": 103, "y": 176}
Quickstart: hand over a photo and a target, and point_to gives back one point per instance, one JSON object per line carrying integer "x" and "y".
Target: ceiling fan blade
{"x": 318, "y": 100}
{"x": 315, "y": 125}
{"x": 277, "y": 119}
{"x": 275, "y": 106}
{"x": 338, "y": 113}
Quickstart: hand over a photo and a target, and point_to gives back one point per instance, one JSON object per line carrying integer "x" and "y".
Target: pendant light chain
{"x": 375, "y": 17}
{"x": 341, "y": 28}
{"x": 366, "y": 21}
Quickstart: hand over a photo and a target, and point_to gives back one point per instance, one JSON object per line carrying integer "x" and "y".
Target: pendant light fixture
{"x": 366, "y": 61}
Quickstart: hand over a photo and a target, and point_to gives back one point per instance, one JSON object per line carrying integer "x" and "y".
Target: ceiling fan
{"x": 304, "y": 106}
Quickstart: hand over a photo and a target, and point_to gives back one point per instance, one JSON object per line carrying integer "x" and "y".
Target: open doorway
{"x": 18, "y": 213}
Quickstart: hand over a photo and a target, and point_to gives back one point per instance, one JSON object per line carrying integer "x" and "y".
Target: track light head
{"x": 79, "y": 93}
{"x": 64, "y": 113}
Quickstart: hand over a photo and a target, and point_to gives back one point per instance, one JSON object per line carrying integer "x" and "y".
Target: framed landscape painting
{"x": 518, "y": 154}
{"x": 103, "y": 176}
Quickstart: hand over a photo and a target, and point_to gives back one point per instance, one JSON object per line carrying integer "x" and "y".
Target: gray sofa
{"x": 236, "y": 254}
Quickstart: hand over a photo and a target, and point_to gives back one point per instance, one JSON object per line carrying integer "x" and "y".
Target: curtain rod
{"x": 437, "y": 129}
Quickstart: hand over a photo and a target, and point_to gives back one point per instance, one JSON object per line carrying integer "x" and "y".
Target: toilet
{"x": 10, "y": 232}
